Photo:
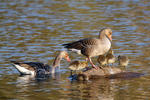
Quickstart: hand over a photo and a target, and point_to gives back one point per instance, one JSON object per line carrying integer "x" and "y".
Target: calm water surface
{"x": 34, "y": 31}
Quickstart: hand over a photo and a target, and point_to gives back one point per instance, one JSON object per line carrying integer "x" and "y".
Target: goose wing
{"x": 81, "y": 43}
{"x": 32, "y": 65}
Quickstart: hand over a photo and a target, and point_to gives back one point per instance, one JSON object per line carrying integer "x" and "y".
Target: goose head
{"x": 64, "y": 54}
{"x": 58, "y": 58}
{"x": 106, "y": 32}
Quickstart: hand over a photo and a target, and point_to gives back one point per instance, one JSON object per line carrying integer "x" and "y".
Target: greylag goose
{"x": 110, "y": 57}
{"x": 37, "y": 68}
{"x": 77, "y": 65}
{"x": 102, "y": 60}
{"x": 91, "y": 47}
{"x": 123, "y": 60}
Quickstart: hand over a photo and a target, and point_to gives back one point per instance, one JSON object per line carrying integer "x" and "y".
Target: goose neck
{"x": 57, "y": 61}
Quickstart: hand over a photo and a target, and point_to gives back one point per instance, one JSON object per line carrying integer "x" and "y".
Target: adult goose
{"x": 91, "y": 47}
{"x": 37, "y": 68}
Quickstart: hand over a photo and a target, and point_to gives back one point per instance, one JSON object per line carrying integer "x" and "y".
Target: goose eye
{"x": 110, "y": 33}
{"x": 66, "y": 56}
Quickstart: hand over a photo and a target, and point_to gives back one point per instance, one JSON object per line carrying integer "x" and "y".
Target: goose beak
{"x": 67, "y": 58}
{"x": 110, "y": 37}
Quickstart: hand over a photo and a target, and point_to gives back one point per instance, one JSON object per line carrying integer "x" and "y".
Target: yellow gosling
{"x": 77, "y": 65}
{"x": 123, "y": 60}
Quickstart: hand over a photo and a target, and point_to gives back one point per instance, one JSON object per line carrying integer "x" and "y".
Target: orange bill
{"x": 110, "y": 37}
{"x": 68, "y": 59}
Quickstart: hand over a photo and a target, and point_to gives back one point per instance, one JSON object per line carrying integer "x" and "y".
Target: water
{"x": 34, "y": 31}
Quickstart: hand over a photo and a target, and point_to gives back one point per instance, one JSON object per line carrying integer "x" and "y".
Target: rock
{"x": 107, "y": 72}
{"x": 125, "y": 75}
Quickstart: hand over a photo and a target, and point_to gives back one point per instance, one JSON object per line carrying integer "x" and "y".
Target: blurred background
{"x": 35, "y": 30}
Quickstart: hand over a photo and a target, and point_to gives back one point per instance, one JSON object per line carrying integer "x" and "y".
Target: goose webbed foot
{"x": 96, "y": 67}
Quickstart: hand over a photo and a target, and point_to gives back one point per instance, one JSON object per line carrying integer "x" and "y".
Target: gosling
{"x": 110, "y": 57}
{"x": 77, "y": 65}
{"x": 102, "y": 60}
{"x": 123, "y": 60}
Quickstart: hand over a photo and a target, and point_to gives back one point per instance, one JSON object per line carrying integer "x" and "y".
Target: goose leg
{"x": 71, "y": 72}
{"x": 94, "y": 66}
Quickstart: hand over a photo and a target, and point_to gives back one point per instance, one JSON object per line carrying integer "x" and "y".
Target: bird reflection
{"x": 101, "y": 89}
{"x": 25, "y": 80}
